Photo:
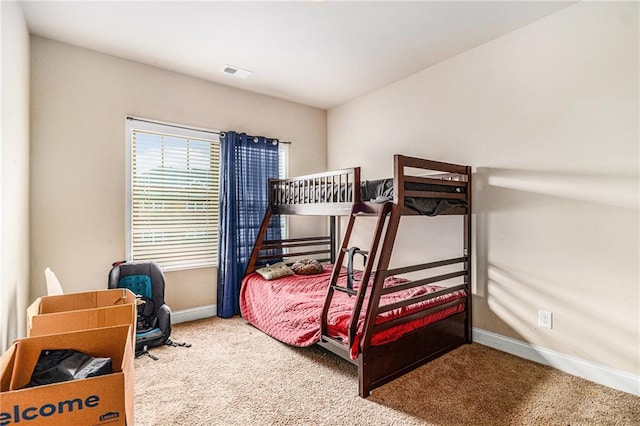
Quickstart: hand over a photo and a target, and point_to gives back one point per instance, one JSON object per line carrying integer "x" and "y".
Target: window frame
{"x": 142, "y": 124}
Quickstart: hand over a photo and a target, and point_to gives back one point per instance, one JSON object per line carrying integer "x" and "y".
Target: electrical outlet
{"x": 545, "y": 319}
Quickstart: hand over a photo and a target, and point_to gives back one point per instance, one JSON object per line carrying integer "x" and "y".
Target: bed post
{"x": 467, "y": 254}
{"x": 398, "y": 179}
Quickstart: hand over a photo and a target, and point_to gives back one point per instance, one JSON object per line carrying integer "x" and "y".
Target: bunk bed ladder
{"x": 373, "y": 251}
{"x": 335, "y": 274}
{"x": 381, "y": 273}
{"x": 383, "y": 212}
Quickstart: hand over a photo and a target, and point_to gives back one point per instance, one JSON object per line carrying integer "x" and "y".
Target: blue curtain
{"x": 246, "y": 164}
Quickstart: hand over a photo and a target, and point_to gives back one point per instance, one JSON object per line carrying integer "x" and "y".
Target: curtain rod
{"x": 179, "y": 126}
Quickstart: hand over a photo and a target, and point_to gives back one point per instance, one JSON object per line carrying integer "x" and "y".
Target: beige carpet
{"x": 235, "y": 375}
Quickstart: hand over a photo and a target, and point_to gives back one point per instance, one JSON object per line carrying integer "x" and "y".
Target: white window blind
{"x": 173, "y": 203}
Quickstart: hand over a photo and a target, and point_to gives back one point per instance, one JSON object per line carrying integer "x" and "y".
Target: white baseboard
{"x": 193, "y": 314}
{"x": 598, "y": 373}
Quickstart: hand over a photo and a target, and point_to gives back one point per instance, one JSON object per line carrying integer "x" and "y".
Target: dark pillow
{"x": 307, "y": 267}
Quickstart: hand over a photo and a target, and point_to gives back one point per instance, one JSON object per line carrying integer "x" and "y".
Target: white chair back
{"x": 54, "y": 287}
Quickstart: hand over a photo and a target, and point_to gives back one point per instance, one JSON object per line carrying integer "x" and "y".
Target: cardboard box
{"x": 83, "y": 319}
{"x": 78, "y": 311}
{"x": 102, "y": 400}
{"x": 78, "y": 301}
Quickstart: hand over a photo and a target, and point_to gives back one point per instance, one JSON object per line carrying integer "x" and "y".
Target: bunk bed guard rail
{"x": 330, "y": 193}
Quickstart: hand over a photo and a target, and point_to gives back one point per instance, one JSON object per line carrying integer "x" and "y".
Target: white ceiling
{"x": 315, "y": 53}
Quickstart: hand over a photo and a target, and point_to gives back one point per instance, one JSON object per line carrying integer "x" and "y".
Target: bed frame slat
{"x": 424, "y": 281}
{"x": 433, "y": 181}
{"x": 290, "y": 245}
{"x": 386, "y": 308}
{"x": 296, "y": 240}
{"x": 431, "y": 194}
{"x": 417, "y": 315}
{"x": 422, "y": 266}
{"x": 304, "y": 253}
{"x": 420, "y": 163}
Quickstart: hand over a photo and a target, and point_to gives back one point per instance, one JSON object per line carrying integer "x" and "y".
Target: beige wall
{"x": 548, "y": 117}
{"x": 78, "y": 106}
{"x": 14, "y": 176}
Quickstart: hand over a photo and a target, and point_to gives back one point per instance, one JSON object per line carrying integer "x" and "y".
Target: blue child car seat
{"x": 146, "y": 280}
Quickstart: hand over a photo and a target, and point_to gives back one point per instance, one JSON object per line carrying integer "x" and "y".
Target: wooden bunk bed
{"x": 431, "y": 322}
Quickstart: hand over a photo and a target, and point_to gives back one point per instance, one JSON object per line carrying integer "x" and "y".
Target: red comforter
{"x": 289, "y": 308}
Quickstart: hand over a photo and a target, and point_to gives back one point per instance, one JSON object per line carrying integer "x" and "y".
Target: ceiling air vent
{"x": 236, "y": 72}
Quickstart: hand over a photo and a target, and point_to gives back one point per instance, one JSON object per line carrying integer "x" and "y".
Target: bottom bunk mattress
{"x": 289, "y": 308}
